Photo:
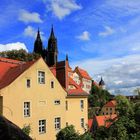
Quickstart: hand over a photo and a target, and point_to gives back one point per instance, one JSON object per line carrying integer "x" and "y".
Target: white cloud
{"x": 13, "y": 46}
{"x": 120, "y": 74}
{"x": 28, "y": 17}
{"x": 84, "y": 36}
{"x": 61, "y": 8}
{"x": 29, "y": 31}
{"x": 108, "y": 31}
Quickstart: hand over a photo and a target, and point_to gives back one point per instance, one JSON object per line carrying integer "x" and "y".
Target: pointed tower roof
{"x": 67, "y": 59}
{"x": 52, "y": 36}
{"x": 38, "y": 46}
{"x": 101, "y": 83}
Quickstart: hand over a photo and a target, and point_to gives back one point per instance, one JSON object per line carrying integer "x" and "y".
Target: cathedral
{"x": 62, "y": 69}
{"x": 50, "y": 53}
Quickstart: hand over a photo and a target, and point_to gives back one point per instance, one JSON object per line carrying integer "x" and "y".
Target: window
{"x": 41, "y": 77}
{"x": 66, "y": 105}
{"x": 67, "y": 124}
{"x": 57, "y": 122}
{"x": 42, "y": 126}
{"x": 106, "y": 108}
{"x": 28, "y": 83}
{"x": 82, "y": 104}
{"x": 82, "y": 122}
{"x": 57, "y": 102}
{"x": 110, "y": 108}
{"x": 52, "y": 84}
{"x": 26, "y": 109}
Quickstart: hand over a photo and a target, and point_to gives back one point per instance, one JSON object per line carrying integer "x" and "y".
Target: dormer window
{"x": 41, "y": 77}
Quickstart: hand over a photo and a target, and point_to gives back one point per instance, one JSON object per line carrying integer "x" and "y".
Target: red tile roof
{"x": 90, "y": 123}
{"x": 10, "y": 70}
{"x": 77, "y": 91}
{"x": 83, "y": 73}
{"x": 104, "y": 120}
{"x": 111, "y": 103}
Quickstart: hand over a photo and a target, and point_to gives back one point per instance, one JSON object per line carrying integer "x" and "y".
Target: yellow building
{"x": 31, "y": 94}
{"x": 109, "y": 108}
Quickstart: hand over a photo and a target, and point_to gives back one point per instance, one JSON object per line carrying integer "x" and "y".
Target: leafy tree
{"x": 21, "y": 55}
{"x": 27, "y": 129}
{"x": 68, "y": 133}
{"x": 98, "y": 97}
{"x": 123, "y": 105}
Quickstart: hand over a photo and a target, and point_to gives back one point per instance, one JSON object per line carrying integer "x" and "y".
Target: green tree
{"x": 123, "y": 105}
{"x": 27, "y": 129}
{"x": 68, "y": 133}
{"x": 21, "y": 55}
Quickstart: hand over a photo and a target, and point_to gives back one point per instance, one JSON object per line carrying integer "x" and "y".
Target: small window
{"x": 106, "y": 108}
{"x": 26, "y": 109}
{"x": 66, "y": 105}
{"x": 52, "y": 84}
{"x": 82, "y": 122}
{"x": 57, "y": 102}
{"x": 67, "y": 124}
{"x": 28, "y": 82}
{"x": 41, "y": 77}
{"x": 42, "y": 126}
{"x": 57, "y": 122}
{"x": 110, "y": 108}
{"x": 82, "y": 104}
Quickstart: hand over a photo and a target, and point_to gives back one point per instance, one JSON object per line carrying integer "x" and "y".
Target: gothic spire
{"x": 52, "y": 36}
{"x": 67, "y": 57}
{"x": 38, "y": 47}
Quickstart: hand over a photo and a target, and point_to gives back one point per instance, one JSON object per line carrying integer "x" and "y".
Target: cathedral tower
{"x": 52, "y": 50}
{"x": 38, "y": 47}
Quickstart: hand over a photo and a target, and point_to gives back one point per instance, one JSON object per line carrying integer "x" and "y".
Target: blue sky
{"x": 101, "y": 36}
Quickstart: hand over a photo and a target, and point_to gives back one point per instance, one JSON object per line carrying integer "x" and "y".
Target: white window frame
{"x": 42, "y": 126}
{"x": 41, "y": 77}
{"x": 82, "y": 122}
{"x": 57, "y": 123}
{"x": 27, "y": 109}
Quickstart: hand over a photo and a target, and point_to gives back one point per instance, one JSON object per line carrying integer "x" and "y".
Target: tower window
{"x": 41, "y": 77}
{"x": 28, "y": 83}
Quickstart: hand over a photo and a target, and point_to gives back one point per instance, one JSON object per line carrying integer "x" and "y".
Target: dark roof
{"x": 10, "y": 131}
{"x": 101, "y": 83}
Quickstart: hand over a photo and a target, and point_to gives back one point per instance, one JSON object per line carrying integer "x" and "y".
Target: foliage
{"x": 27, "y": 129}
{"x": 98, "y": 97}
{"x": 126, "y": 127}
{"x": 21, "y": 55}
{"x": 123, "y": 105}
{"x": 69, "y": 133}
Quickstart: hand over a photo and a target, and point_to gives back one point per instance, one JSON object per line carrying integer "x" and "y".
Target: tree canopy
{"x": 21, "y": 55}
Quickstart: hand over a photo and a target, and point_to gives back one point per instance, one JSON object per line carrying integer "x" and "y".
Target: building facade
{"x": 30, "y": 94}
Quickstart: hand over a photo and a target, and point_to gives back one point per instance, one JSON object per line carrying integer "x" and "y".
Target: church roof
{"x": 101, "y": 83}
